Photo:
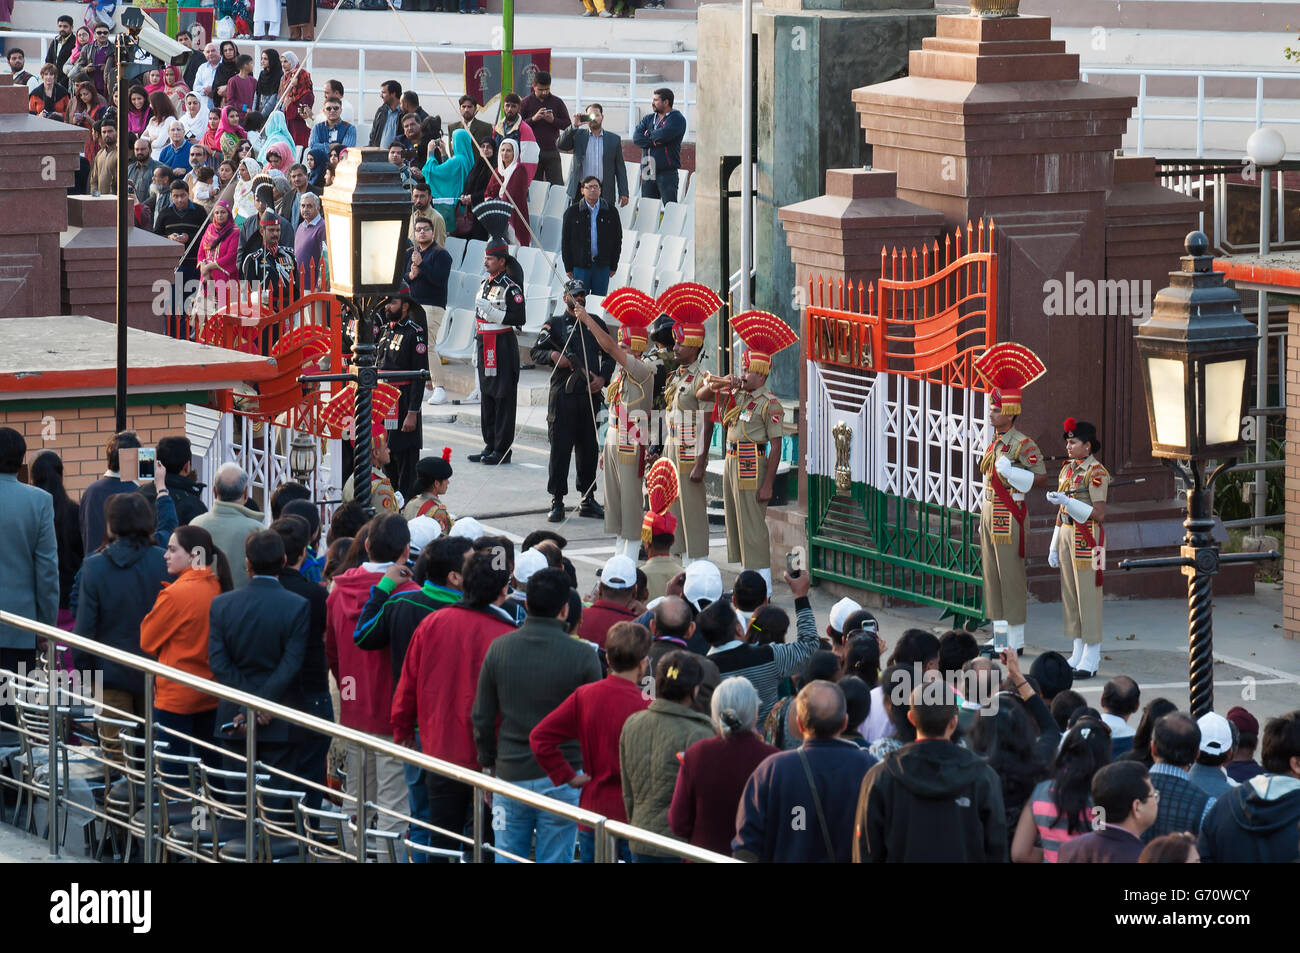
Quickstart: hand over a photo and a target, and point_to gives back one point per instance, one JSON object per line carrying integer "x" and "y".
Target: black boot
{"x": 557, "y": 510}
{"x": 591, "y": 509}
{"x": 478, "y": 457}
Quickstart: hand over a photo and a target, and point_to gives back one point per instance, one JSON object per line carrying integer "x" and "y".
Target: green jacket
{"x": 647, "y": 755}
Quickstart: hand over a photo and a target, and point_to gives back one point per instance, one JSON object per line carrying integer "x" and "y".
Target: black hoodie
{"x": 1255, "y": 822}
{"x": 930, "y": 801}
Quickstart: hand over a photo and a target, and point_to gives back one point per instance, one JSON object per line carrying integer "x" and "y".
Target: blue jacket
{"x": 117, "y": 589}
{"x": 663, "y": 144}
{"x": 344, "y": 133}
{"x": 29, "y": 560}
{"x": 92, "y": 508}
{"x": 777, "y": 822}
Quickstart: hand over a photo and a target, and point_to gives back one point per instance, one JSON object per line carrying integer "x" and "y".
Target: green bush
{"x": 1228, "y": 502}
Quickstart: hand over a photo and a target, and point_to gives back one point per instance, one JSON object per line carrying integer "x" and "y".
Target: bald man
{"x": 673, "y": 627}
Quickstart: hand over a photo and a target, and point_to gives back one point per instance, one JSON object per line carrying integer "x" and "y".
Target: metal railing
{"x": 633, "y": 95}
{"x": 147, "y": 829}
{"x": 1207, "y": 180}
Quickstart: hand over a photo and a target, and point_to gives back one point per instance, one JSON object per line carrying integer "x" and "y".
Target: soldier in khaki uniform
{"x": 754, "y": 422}
{"x": 660, "y": 526}
{"x": 629, "y": 397}
{"x": 382, "y": 497}
{"x": 690, "y": 424}
{"x": 1011, "y": 465}
{"x": 432, "y": 478}
{"x": 1079, "y": 543}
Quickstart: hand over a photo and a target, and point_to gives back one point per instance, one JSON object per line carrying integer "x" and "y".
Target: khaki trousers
{"x": 385, "y": 787}
{"x": 691, "y": 509}
{"x": 747, "y": 537}
{"x": 624, "y": 509}
{"x": 1004, "y": 571}
{"x": 433, "y": 320}
{"x": 1080, "y": 594}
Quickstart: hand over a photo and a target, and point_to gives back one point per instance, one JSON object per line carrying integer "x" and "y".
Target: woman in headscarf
{"x": 447, "y": 179}
{"x": 242, "y": 200}
{"x": 218, "y": 248}
{"x": 275, "y": 131}
{"x": 227, "y": 68}
{"x": 511, "y": 182}
{"x": 193, "y": 118}
{"x": 477, "y": 182}
{"x": 230, "y": 133}
{"x": 212, "y": 137}
{"x": 296, "y": 99}
{"x": 153, "y": 81}
{"x": 317, "y": 161}
{"x": 174, "y": 86}
{"x": 137, "y": 109}
{"x": 268, "y": 82}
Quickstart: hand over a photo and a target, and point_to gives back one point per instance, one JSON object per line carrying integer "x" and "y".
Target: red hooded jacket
{"x": 365, "y": 678}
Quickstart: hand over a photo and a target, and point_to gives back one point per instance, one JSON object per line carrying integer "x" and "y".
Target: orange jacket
{"x": 176, "y": 633}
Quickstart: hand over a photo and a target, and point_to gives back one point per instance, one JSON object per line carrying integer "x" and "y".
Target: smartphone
{"x": 1000, "y": 634}
{"x": 147, "y": 457}
{"x": 229, "y": 728}
{"x": 792, "y": 565}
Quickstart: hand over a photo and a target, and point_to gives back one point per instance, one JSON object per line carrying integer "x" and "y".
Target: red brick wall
{"x": 1291, "y": 546}
{"x": 78, "y": 435}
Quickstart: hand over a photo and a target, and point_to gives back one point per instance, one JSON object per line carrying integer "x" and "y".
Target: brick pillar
{"x": 1291, "y": 557}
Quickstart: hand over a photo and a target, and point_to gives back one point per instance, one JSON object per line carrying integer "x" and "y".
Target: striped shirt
{"x": 766, "y": 665}
{"x": 1052, "y": 828}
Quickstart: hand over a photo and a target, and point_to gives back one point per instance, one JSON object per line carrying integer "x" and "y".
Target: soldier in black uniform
{"x": 498, "y": 311}
{"x": 404, "y": 347}
{"x": 582, "y": 370}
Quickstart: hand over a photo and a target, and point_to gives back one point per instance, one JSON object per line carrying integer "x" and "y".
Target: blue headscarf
{"x": 275, "y": 131}
{"x": 321, "y": 157}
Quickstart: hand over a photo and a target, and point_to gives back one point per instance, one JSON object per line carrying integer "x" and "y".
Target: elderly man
{"x": 206, "y": 74}
{"x": 139, "y": 171}
{"x": 309, "y": 237}
{"x": 230, "y": 520}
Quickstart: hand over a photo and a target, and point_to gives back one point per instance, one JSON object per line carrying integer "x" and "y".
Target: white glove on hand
{"x": 1056, "y": 497}
{"x": 1002, "y": 465}
{"x": 1053, "y": 557}
{"x": 1079, "y": 511}
{"x": 1019, "y": 479}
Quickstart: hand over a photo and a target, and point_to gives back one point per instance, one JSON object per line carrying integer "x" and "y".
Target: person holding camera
{"x": 576, "y": 394}
{"x": 596, "y": 152}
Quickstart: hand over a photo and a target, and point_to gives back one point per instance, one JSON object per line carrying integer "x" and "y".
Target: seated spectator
{"x": 230, "y": 520}
{"x": 1120, "y": 698}
{"x": 816, "y": 782}
{"x": 931, "y": 800}
{"x": 1215, "y": 750}
{"x": 594, "y": 715}
{"x": 1124, "y": 794}
{"x": 1171, "y": 849}
{"x": 715, "y": 770}
{"x": 1059, "y": 808}
{"x": 1183, "y": 805}
{"x": 49, "y": 98}
{"x": 1243, "y": 765}
{"x": 1256, "y": 821}
{"x": 648, "y": 747}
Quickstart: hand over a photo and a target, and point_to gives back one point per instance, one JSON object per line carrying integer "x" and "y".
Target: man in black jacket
{"x": 931, "y": 801}
{"x": 177, "y": 457}
{"x": 310, "y": 747}
{"x": 582, "y": 369}
{"x": 61, "y": 46}
{"x": 384, "y": 129}
{"x": 257, "y": 641}
{"x": 591, "y": 249}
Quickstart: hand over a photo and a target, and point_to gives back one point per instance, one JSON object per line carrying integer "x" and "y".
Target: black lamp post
{"x": 125, "y": 46}
{"x": 366, "y": 214}
{"x": 1197, "y": 350}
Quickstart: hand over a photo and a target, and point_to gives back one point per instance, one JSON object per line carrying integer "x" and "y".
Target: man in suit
{"x": 1123, "y": 794}
{"x": 597, "y": 152}
{"x": 93, "y": 498}
{"x": 479, "y": 130}
{"x": 257, "y": 640}
{"x": 29, "y": 560}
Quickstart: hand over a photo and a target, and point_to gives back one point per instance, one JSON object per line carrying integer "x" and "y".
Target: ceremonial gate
{"x": 896, "y": 423}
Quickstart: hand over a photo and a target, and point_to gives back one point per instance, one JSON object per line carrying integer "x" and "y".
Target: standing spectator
{"x": 422, "y": 207}
{"x": 93, "y": 497}
{"x": 301, "y": 15}
{"x": 548, "y": 117}
{"x": 438, "y": 685}
{"x": 196, "y": 57}
{"x": 46, "y": 473}
{"x": 511, "y": 185}
{"x": 310, "y": 748}
{"x": 526, "y": 675}
{"x": 177, "y": 456}
{"x": 594, "y": 715}
{"x": 814, "y": 782}
{"x": 99, "y": 61}
{"x": 764, "y": 665}
{"x": 715, "y": 771}
{"x": 1243, "y": 765}
{"x": 511, "y": 120}
{"x": 266, "y": 19}
{"x": 1155, "y": 709}
{"x": 241, "y": 89}
{"x": 333, "y": 93}
{"x": 49, "y": 98}
{"x": 205, "y": 78}
{"x": 384, "y": 129}
{"x": 1214, "y": 752}
{"x": 230, "y": 521}
{"x": 591, "y": 239}
{"x": 60, "y": 48}
{"x": 333, "y": 129}
{"x": 1123, "y": 793}
{"x": 19, "y": 74}
{"x": 31, "y": 560}
{"x": 268, "y": 83}
{"x": 219, "y": 252}
{"x": 649, "y": 746}
{"x": 1183, "y": 805}
{"x": 615, "y": 600}
{"x": 296, "y": 99}
{"x": 417, "y": 148}
{"x": 596, "y": 151}
{"x": 1256, "y": 821}
{"x": 479, "y": 130}
{"x": 297, "y": 176}
{"x": 428, "y": 268}
{"x": 1060, "y": 808}
{"x": 257, "y": 638}
{"x": 673, "y": 628}
{"x": 117, "y": 589}
{"x": 659, "y": 135}
{"x": 1004, "y": 736}
{"x": 1120, "y": 698}
{"x": 182, "y": 222}
{"x": 410, "y": 103}
{"x": 227, "y": 68}
{"x": 175, "y": 632}
{"x": 931, "y": 800}
{"x": 368, "y": 706}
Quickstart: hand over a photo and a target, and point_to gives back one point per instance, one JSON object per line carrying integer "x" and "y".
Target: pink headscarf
{"x": 284, "y": 152}
{"x": 224, "y": 126}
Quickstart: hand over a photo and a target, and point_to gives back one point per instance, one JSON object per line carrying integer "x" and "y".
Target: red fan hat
{"x": 634, "y": 310}
{"x": 1008, "y": 368}
{"x": 690, "y": 305}
{"x": 662, "y": 489}
{"x": 764, "y": 334}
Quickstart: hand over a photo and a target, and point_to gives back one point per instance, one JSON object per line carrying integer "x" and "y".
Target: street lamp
{"x": 1196, "y": 349}
{"x": 366, "y": 213}
{"x": 302, "y": 457}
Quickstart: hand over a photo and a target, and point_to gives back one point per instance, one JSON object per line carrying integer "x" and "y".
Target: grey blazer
{"x": 29, "y": 559}
{"x": 613, "y": 181}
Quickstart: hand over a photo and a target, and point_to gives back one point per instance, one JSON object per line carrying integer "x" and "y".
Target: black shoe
{"x": 494, "y": 459}
{"x": 591, "y": 509}
{"x": 1082, "y": 673}
{"x": 480, "y": 457}
{"x": 557, "y": 511}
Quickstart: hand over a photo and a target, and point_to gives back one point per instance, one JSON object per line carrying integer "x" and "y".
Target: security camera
{"x": 151, "y": 39}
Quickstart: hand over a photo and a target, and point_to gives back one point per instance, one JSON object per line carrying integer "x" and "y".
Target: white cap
{"x": 530, "y": 561}
{"x": 841, "y": 611}
{"x": 468, "y": 527}
{"x": 619, "y": 573}
{"x": 424, "y": 530}
{"x": 1216, "y": 733}
{"x": 703, "y": 582}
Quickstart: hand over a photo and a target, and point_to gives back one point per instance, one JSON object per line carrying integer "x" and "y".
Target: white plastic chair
{"x": 549, "y": 233}
{"x": 674, "y": 219}
{"x": 672, "y": 250}
{"x": 633, "y": 182}
{"x": 537, "y": 191}
{"x": 620, "y": 275}
{"x": 456, "y": 248}
{"x": 456, "y": 335}
{"x": 537, "y": 305}
{"x": 684, "y": 180}
{"x": 647, "y": 250}
{"x": 557, "y": 200}
{"x": 630, "y": 239}
{"x": 642, "y": 276}
{"x": 626, "y": 213}
{"x": 647, "y": 215}
{"x": 527, "y": 256}
{"x": 474, "y": 250}
{"x": 665, "y": 278}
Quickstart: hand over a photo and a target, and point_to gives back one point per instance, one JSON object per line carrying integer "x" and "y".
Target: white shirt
{"x": 156, "y": 133}
{"x": 1119, "y": 728}
{"x": 204, "y": 76}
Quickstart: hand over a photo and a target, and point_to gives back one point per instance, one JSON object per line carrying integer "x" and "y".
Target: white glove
{"x": 1053, "y": 557}
{"x": 1056, "y": 497}
{"x": 1002, "y": 465}
{"x": 1079, "y": 511}
{"x": 1019, "y": 479}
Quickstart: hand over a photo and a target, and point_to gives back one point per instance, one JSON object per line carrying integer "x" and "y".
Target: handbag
{"x": 465, "y": 221}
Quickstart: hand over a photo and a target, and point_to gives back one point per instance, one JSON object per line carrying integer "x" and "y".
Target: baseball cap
{"x": 530, "y": 561}
{"x": 468, "y": 527}
{"x": 703, "y": 584}
{"x": 841, "y": 611}
{"x": 1247, "y": 724}
{"x": 424, "y": 530}
{"x": 1216, "y": 733}
{"x": 619, "y": 573}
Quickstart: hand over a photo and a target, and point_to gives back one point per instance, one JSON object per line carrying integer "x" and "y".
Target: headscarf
{"x": 275, "y": 131}
{"x": 447, "y": 179}
{"x": 321, "y": 157}
{"x": 505, "y": 171}
{"x": 158, "y": 87}
{"x": 242, "y": 202}
{"x": 285, "y": 152}
{"x": 224, "y": 126}
{"x": 176, "y": 89}
{"x": 215, "y": 234}
{"x": 293, "y": 78}
{"x": 226, "y": 69}
{"x": 268, "y": 80}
